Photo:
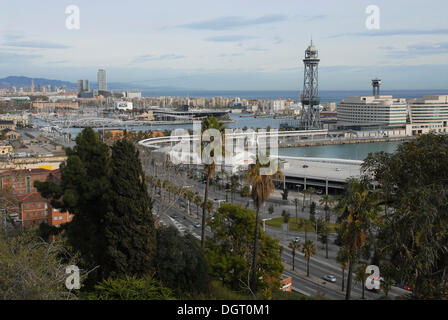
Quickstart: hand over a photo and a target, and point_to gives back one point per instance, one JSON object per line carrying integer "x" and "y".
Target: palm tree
{"x": 326, "y": 201}
{"x": 285, "y": 215}
{"x": 294, "y": 245}
{"x": 361, "y": 277}
{"x": 304, "y": 192}
{"x": 208, "y": 123}
{"x": 311, "y": 191}
{"x": 262, "y": 187}
{"x": 296, "y": 203}
{"x": 342, "y": 259}
{"x": 190, "y": 197}
{"x": 234, "y": 185}
{"x": 324, "y": 232}
{"x": 309, "y": 250}
{"x": 358, "y": 209}
{"x": 197, "y": 201}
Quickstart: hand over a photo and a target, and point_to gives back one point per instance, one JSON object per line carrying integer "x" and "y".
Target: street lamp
{"x": 264, "y": 223}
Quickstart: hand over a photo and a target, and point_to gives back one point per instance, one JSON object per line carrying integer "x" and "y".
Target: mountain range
{"x": 22, "y": 81}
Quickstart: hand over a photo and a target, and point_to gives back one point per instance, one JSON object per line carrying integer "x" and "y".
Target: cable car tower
{"x": 310, "y": 118}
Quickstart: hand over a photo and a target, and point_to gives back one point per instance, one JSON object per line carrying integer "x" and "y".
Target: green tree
{"x": 285, "y": 215}
{"x": 296, "y": 203}
{"x": 324, "y": 233}
{"x": 294, "y": 246}
{"x": 197, "y": 201}
{"x": 245, "y": 191}
{"x": 342, "y": 260}
{"x": 326, "y": 201}
{"x": 313, "y": 212}
{"x": 309, "y": 250}
{"x": 209, "y": 123}
{"x": 189, "y": 195}
{"x": 414, "y": 227}
{"x": 358, "y": 209}
{"x": 229, "y": 253}
{"x": 84, "y": 190}
{"x": 361, "y": 277}
{"x": 234, "y": 185}
{"x": 130, "y": 288}
{"x": 180, "y": 263}
{"x": 262, "y": 187}
{"x": 285, "y": 194}
{"x": 33, "y": 269}
{"x": 129, "y": 225}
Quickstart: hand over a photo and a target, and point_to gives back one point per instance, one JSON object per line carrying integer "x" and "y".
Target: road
{"x": 319, "y": 265}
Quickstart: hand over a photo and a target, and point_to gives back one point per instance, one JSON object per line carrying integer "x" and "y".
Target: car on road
{"x": 174, "y": 215}
{"x": 338, "y": 169}
{"x": 330, "y": 278}
{"x": 305, "y": 166}
{"x": 297, "y": 239}
{"x": 197, "y": 224}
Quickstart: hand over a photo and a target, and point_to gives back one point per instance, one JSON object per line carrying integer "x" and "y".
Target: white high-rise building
{"x": 102, "y": 80}
{"x": 372, "y": 111}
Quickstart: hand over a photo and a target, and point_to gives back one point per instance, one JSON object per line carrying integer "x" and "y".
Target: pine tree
{"x": 129, "y": 226}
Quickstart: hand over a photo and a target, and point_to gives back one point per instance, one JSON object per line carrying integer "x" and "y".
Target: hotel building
{"x": 372, "y": 111}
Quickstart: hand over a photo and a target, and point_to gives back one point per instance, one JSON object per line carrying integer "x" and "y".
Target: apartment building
{"x": 31, "y": 209}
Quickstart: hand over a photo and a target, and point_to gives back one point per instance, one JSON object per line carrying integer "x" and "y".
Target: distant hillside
{"x": 21, "y": 81}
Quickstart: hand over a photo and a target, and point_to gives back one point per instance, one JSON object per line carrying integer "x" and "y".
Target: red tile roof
{"x": 25, "y": 171}
{"x": 33, "y": 196}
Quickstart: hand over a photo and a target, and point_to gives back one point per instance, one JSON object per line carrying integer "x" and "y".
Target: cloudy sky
{"x": 229, "y": 45}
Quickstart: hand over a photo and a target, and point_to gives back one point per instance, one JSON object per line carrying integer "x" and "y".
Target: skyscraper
{"x": 83, "y": 85}
{"x": 102, "y": 81}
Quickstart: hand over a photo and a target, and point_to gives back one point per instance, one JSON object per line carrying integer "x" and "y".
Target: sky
{"x": 228, "y": 45}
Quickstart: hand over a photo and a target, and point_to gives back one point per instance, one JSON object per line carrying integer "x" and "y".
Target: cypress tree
{"x": 129, "y": 225}
{"x": 84, "y": 190}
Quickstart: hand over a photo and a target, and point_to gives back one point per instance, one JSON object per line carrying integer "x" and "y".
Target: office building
{"x": 429, "y": 114}
{"x": 102, "y": 80}
{"x": 83, "y": 85}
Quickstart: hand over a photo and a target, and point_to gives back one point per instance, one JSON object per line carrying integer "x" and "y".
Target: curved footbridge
{"x": 326, "y": 174}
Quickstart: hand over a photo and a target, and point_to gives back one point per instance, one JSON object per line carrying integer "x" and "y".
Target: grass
{"x": 293, "y": 226}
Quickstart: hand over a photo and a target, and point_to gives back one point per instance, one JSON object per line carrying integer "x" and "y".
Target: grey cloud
{"x": 9, "y": 57}
{"x": 417, "y": 50}
{"x": 226, "y": 23}
{"x": 231, "y": 54}
{"x": 150, "y": 57}
{"x": 256, "y": 49}
{"x": 35, "y": 44}
{"x": 230, "y": 38}
{"x": 386, "y": 33}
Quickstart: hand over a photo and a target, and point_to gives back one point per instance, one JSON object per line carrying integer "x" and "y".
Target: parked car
{"x": 329, "y": 278}
{"x": 305, "y": 166}
{"x": 297, "y": 239}
{"x": 197, "y": 224}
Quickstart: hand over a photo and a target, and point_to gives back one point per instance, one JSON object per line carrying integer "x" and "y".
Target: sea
{"x": 325, "y": 95}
